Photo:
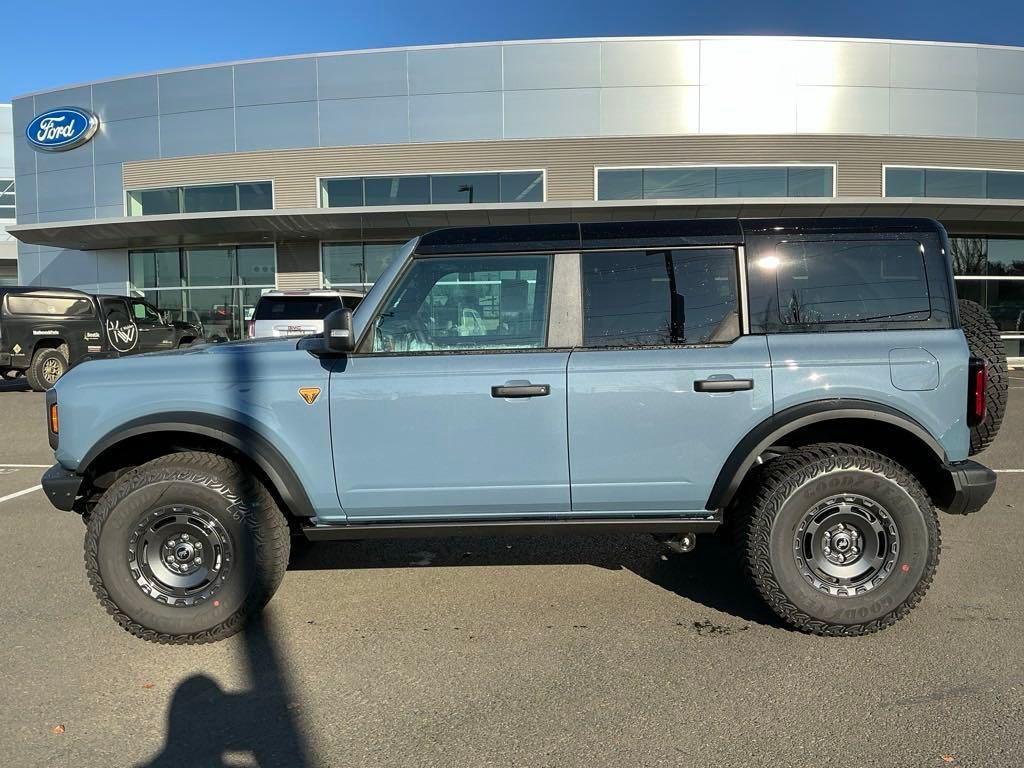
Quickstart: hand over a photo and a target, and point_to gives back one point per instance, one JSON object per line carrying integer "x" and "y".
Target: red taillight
{"x": 977, "y": 383}
{"x": 250, "y": 329}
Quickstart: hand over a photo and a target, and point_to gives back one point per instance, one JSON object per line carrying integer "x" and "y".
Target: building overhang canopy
{"x": 394, "y": 223}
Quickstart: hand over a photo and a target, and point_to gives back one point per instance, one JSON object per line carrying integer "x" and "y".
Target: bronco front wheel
{"x": 184, "y": 549}
{"x": 839, "y": 540}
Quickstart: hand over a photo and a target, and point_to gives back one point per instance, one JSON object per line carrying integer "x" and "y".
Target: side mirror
{"x": 338, "y": 336}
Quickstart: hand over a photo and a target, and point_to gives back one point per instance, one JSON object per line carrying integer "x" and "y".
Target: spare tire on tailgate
{"x": 983, "y": 341}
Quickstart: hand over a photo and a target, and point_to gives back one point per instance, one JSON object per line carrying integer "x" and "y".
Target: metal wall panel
{"x": 745, "y": 62}
{"x": 1001, "y": 115}
{"x": 362, "y": 74}
{"x": 276, "y": 126}
{"x": 22, "y": 112}
{"x": 25, "y": 197}
{"x": 455, "y": 70}
{"x": 364, "y": 121}
{"x": 734, "y": 109}
{"x": 63, "y": 190}
{"x": 650, "y": 62}
{"x": 197, "y": 133}
{"x": 833, "y": 62}
{"x": 946, "y": 67}
{"x": 934, "y": 113}
{"x": 109, "y": 188}
{"x": 78, "y": 157}
{"x": 109, "y": 211}
{"x": 191, "y": 90}
{"x": 125, "y": 99}
{"x": 1000, "y": 70}
{"x": 67, "y": 214}
{"x": 552, "y": 65}
{"x": 842, "y": 109}
{"x": 135, "y": 139}
{"x": 80, "y": 96}
{"x": 275, "y": 82}
{"x": 650, "y": 110}
{"x": 567, "y": 112}
{"x": 455, "y": 117}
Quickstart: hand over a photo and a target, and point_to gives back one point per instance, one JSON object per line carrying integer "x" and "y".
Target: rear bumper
{"x": 973, "y": 486}
{"x": 61, "y": 487}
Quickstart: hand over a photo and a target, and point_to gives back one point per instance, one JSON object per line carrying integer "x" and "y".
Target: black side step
{"x": 405, "y": 530}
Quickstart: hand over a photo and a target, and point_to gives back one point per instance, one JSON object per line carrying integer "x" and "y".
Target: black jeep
{"x": 45, "y": 331}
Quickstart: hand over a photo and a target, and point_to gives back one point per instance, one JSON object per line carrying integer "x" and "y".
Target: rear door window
{"x": 851, "y": 281}
{"x": 296, "y": 307}
{"x": 660, "y": 298}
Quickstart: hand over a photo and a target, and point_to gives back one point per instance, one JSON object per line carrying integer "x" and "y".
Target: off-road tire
{"x": 257, "y": 529}
{"x": 984, "y": 341}
{"x": 35, "y": 372}
{"x": 777, "y": 500}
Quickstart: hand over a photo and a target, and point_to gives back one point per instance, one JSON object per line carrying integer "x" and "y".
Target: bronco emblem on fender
{"x": 309, "y": 394}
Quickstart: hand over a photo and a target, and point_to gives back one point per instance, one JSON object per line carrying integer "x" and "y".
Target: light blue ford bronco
{"x": 812, "y": 386}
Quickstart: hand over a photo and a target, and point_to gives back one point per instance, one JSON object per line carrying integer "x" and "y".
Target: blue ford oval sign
{"x": 61, "y": 129}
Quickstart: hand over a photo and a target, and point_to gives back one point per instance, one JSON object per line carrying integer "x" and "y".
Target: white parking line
{"x": 1008, "y": 470}
{"x": 26, "y": 466}
{"x": 19, "y": 493}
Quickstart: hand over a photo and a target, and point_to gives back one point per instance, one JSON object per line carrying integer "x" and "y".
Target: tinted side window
{"x": 49, "y": 305}
{"x": 851, "y": 281}
{"x": 643, "y": 298}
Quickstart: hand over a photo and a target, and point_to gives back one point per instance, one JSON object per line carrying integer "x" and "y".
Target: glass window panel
{"x": 8, "y": 272}
{"x": 397, "y": 190}
{"x": 211, "y": 266}
{"x": 256, "y": 197}
{"x": 343, "y": 265}
{"x": 660, "y": 183}
{"x": 904, "y": 182}
{"x": 467, "y": 303}
{"x": 1006, "y": 257}
{"x": 659, "y": 297}
{"x": 1006, "y": 304}
{"x": 343, "y": 193}
{"x": 142, "y": 269}
{"x": 751, "y": 182}
{"x": 1005, "y": 185}
{"x": 218, "y": 310}
{"x": 970, "y": 255}
{"x": 620, "y": 184}
{"x": 852, "y": 281}
{"x": 257, "y": 265}
{"x": 810, "y": 182}
{"x": 526, "y": 187}
{"x": 464, "y": 188}
{"x": 377, "y": 257}
{"x": 156, "y": 201}
{"x": 944, "y": 183}
{"x": 200, "y": 199}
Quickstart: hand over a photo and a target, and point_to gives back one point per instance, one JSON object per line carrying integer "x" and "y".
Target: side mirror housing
{"x": 338, "y": 336}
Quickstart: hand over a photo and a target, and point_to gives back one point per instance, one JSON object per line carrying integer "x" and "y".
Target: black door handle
{"x": 723, "y": 385}
{"x": 521, "y": 390}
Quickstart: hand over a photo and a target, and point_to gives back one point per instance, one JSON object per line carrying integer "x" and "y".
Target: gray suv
{"x": 813, "y": 387}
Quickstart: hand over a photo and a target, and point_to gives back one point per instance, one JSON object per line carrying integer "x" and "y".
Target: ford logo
{"x": 61, "y": 129}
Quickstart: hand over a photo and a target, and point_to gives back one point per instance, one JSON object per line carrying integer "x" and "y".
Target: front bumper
{"x": 973, "y": 486}
{"x": 61, "y": 487}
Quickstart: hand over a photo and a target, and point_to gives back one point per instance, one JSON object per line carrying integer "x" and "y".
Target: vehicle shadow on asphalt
{"x": 14, "y": 385}
{"x": 204, "y": 722}
{"x": 708, "y": 576}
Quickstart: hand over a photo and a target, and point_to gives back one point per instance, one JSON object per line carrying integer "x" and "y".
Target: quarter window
{"x": 644, "y": 298}
{"x": 49, "y": 305}
{"x": 467, "y": 303}
{"x": 853, "y": 281}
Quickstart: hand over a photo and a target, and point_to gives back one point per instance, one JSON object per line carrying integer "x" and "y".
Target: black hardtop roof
{"x": 22, "y": 290}
{"x": 638, "y": 234}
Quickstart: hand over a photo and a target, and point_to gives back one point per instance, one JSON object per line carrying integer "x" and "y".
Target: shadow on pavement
{"x": 709, "y": 575}
{"x": 14, "y": 385}
{"x": 204, "y": 722}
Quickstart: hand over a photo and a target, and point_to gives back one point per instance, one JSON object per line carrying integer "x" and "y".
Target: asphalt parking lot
{"x": 580, "y": 651}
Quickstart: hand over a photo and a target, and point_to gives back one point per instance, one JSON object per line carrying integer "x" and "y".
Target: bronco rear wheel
{"x": 984, "y": 341}
{"x": 185, "y": 549}
{"x": 838, "y": 540}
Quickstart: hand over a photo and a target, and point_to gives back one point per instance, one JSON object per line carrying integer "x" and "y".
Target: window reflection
{"x": 247, "y": 196}
{"x": 954, "y": 182}
{"x": 437, "y": 189}
{"x": 708, "y": 182}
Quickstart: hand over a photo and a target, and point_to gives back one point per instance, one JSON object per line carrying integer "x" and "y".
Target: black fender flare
{"x": 777, "y": 426}
{"x": 231, "y": 432}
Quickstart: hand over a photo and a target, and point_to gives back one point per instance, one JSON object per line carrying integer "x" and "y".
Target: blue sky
{"x": 50, "y": 43}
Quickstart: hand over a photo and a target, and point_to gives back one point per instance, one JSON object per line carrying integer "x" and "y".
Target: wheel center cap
{"x": 841, "y": 542}
{"x": 183, "y": 553}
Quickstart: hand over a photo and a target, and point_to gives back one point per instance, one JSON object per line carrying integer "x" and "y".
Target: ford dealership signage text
{"x": 61, "y": 129}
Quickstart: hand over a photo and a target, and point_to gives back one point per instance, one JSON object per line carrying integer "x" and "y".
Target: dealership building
{"x": 200, "y": 188}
